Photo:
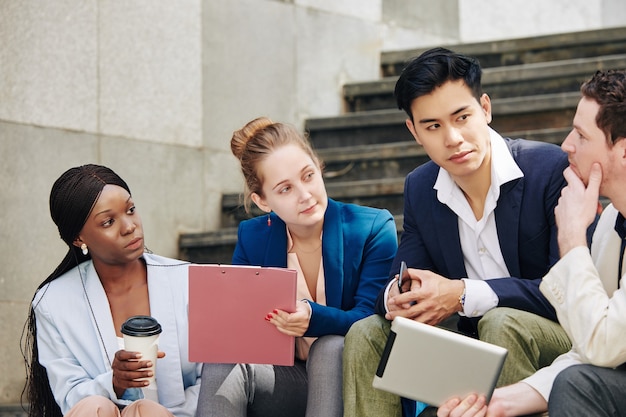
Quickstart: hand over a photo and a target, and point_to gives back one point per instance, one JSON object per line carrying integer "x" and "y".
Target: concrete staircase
{"x": 534, "y": 86}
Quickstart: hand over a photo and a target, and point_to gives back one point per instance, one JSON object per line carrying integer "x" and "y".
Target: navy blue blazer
{"x": 524, "y": 219}
{"x": 358, "y": 246}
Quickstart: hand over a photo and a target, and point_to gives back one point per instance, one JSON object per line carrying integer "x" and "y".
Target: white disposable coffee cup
{"x": 141, "y": 334}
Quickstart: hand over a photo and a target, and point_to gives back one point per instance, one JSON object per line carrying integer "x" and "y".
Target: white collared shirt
{"x": 479, "y": 238}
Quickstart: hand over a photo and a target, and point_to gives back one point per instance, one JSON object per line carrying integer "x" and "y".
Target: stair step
{"x": 363, "y": 162}
{"x": 387, "y": 126}
{"x": 215, "y": 247}
{"x": 534, "y": 112}
{"x": 500, "y": 82}
{"x": 550, "y": 135}
{"x": 524, "y": 50}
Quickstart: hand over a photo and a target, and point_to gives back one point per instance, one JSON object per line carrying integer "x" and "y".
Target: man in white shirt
{"x": 479, "y": 233}
{"x": 584, "y": 286}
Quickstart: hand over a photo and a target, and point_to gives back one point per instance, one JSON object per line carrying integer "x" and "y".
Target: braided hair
{"x": 72, "y": 198}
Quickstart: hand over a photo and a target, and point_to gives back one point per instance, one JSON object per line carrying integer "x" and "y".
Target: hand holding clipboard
{"x": 292, "y": 324}
{"x": 227, "y": 306}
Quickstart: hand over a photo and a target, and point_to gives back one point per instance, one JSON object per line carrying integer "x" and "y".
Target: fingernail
{"x": 269, "y": 316}
{"x": 275, "y": 311}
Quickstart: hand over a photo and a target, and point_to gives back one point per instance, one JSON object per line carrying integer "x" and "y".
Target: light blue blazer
{"x": 358, "y": 246}
{"x": 77, "y": 340}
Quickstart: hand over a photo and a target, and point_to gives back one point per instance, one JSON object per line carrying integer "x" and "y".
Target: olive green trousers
{"x": 532, "y": 341}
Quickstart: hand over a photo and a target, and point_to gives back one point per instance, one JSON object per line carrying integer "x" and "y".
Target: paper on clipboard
{"x": 227, "y": 309}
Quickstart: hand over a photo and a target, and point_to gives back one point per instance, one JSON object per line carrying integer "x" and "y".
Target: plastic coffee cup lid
{"x": 141, "y": 326}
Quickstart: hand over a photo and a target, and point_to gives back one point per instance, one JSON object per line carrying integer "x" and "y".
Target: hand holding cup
{"x": 141, "y": 335}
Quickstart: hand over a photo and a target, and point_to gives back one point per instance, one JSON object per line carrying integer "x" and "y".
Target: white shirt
{"x": 479, "y": 238}
{"x": 582, "y": 287}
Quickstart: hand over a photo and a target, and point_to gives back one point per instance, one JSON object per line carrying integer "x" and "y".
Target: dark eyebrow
{"x": 454, "y": 113}
{"x": 304, "y": 169}
{"x": 107, "y": 210}
{"x": 581, "y": 131}
{"x": 279, "y": 184}
{"x": 102, "y": 212}
{"x": 460, "y": 110}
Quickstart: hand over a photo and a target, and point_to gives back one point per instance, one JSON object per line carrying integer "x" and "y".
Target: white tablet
{"x": 431, "y": 364}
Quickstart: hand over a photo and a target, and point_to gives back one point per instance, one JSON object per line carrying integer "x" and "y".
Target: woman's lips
{"x": 135, "y": 243}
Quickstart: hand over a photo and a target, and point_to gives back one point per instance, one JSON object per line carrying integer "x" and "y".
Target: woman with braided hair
{"x": 77, "y": 365}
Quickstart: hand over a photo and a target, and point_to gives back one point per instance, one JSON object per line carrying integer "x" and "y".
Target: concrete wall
{"x": 154, "y": 89}
{"x": 110, "y": 82}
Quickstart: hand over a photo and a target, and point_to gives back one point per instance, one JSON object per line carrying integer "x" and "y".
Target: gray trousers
{"x": 587, "y": 390}
{"x": 311, "y": 389}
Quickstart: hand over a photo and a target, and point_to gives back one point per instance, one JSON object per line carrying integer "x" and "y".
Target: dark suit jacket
{"x": 524, "y": 219}
{"x": 358, "y": 246}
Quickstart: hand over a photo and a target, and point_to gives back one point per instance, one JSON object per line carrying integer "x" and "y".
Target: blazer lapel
{"x": 333, "y": 254}
{"x": 507, "y": 215}
{"x": 162, "y": 309}
{"x": 101, "y": 318}
{"x": 447, "y": 234}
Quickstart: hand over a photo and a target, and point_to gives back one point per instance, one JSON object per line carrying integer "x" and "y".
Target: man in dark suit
{"x": 479, "y": 233}
{"x": 584, "y": 285}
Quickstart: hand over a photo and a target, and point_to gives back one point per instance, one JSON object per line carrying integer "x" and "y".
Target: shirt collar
{"x": 503, "y": 169}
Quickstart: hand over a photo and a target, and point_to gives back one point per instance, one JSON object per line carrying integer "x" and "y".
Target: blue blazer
{"x": 358, "y": 246}
{"x": 524, "y": 218}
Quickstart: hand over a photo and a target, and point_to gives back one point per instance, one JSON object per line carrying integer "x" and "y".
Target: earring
{"x": 269, "y": 221}
{"x": 83, "y": 247}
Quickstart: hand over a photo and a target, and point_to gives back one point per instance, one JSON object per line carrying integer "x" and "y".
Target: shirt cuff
{"x": 479, "y": 298}
{"x": 305, "y": 301}
{"x": 386, "y": 295}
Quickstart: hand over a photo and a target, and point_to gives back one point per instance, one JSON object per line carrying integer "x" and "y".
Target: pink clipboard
{"x": 227, "y": 309}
